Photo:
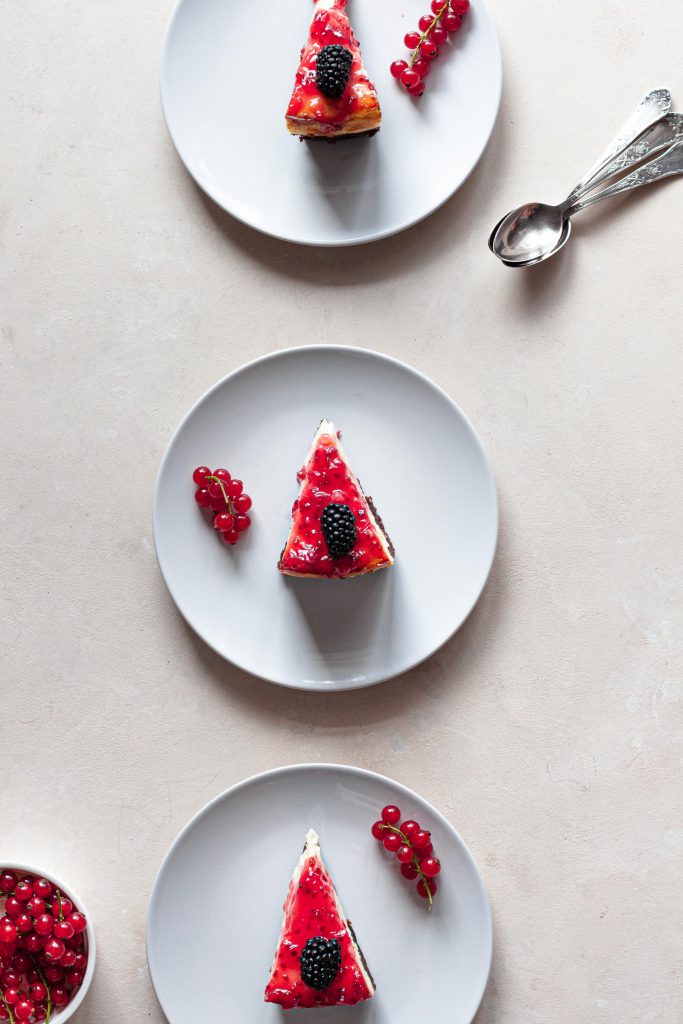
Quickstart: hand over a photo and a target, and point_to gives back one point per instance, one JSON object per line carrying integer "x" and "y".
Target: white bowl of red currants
{"x": 47, "y": 947}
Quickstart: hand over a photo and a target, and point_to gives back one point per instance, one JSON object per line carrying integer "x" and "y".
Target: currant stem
{"x": 40, "y": 974}
{"x": 226, "y": 497}
{"x": 404, "y": 837}
{"x": 413, "y": 58}
{"x": 11, "y": 1015}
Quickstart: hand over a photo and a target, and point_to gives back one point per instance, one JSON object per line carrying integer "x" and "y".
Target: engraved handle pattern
{"x": 656, "y": 138}
{"x": 662, "y": 167}
{"x": 651, "y": 109}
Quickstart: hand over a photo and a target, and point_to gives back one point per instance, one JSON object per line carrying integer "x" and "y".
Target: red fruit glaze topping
{"x": 327, "y": 479}
{"x": 331, "y": 26}
{"x": 311, "y": 909}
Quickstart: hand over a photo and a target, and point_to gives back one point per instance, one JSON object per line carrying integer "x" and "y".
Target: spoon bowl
{"x": 529, "y": 234}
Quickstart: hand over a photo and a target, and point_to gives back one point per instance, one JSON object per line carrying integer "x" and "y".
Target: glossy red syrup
{"x": 329, "y": 26}
{"x": 311, "y": 910}
{"x": 326, "y": 479}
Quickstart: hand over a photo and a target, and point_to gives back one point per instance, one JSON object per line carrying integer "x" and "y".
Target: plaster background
{"x": 550, "y": 730}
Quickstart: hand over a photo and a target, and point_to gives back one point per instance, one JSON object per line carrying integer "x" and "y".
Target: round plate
{"x": 210, "y": 946}
{"x": 227, "y": 73}
{"x": 418, "y": 457}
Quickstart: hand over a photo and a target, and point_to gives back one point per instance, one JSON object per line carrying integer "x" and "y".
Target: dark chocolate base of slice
{"x": 331, "y": 139}
{"x": 378, "y": 519}
{"x": 361, "y": 954}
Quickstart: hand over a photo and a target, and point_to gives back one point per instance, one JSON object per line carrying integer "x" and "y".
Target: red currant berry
{"x": 412, "y": 39}
{"x": 242, "y": 503}
{"x": 60, "y": 996}
{"x": 429, "y": 49}
{"x": 35, "y": 906}
{"x": 23, "y": 890}
{"x": 409, "y": 77}
{"x": 8, "y": 930}
{"x": 416, "y": 90}
{"x": 438, "y": 5}
{"x": 422, "y": 888}
{"x": 421, "y": 839}
{"x": 409, "y": 828}
{"x": 33, "y": 942}
{"x": 215, "y": 490}
{"x": 404, "y": 854}
{"x": 11, "y": 995}
{"x": 23, "y": 1009}
{"x": 7, "y": 881}
{"x": 38, "y": 992}
{"x": 425, "y": 22}
{"x": 4, "y": 1012}
{"x": 54, "y": 950}
{"x": 217, "y": 504}
{"x": 430, "y": 866}
{"x": 409, "y": 871}
{"x": 460, "y": 6}
{"x": 391, "y": 842}
{"x": 68, "y": 960}
{"x": 40, "y": 1012}
{"x": 42, "y": 888}
{"x": 230, "y": 536}
{"x": 13, "y": 906}
{"x": 10, "y": 979}
{"x": 200, "y": 474}
{"x": 44, "y": 924}
{"x": 23, "y": 923}
{"x": 81, "y": 962}
{"x": 63, "y": 930}
{"x": 390, "y": 815}
{"x": 54, "y": 974}
{"x": 222, "y": 475}
{"x": 378, "y": 830}
{"x": 242, "y": 523}
{"x": 422, "y": 66}
{"x": 61, "y": 906}
{"x": 397, "y": 67}
{"x": 439, "y": 35}
{"x": 235, "y": 488}
{"x": 223, "y": 521}
{"x": 202, "y": 497}
{"x": 74, "y": 978}
{"x": 21, "y": 963}
{"x": 451, "y": 21}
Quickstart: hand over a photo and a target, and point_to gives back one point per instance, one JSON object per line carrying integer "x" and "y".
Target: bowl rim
{"x": 62, "y": 1015}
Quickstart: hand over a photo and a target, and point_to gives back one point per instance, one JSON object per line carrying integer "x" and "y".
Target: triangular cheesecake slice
{"x": 317, "y": 961}
{"x": 333, "y": 95}
{"x": 336, "y": 531}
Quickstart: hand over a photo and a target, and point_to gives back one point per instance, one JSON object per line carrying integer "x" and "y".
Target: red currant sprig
{"x": 412, "y": 847}
{"x": 221, "y": 494}
{"x": 43, "y": 949}
{"x": 445, "y": 19}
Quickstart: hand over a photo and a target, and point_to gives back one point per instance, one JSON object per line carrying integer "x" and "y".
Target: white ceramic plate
{"x": 227, "y": 72}
{"x": 215, "y": 911}
{"x": 416, "y": 454}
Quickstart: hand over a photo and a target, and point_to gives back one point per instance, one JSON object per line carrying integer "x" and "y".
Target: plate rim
{"x": 324, "y": 766}
{"x": 370, "y": 679}
{"x": 207, "y": 189}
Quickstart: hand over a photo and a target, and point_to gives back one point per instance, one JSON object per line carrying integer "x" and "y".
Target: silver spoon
{"x": 531, "y": 232}
{"x": 670, "y": 163}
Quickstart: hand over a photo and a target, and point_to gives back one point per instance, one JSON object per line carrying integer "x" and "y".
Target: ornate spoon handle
{"x": 651, "y": 109}
{"x": 654, "y": 139}
{"x": 662, "y": 167}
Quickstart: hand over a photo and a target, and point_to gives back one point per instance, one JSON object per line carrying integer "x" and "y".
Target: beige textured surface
{"x": 551, "y": 729}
